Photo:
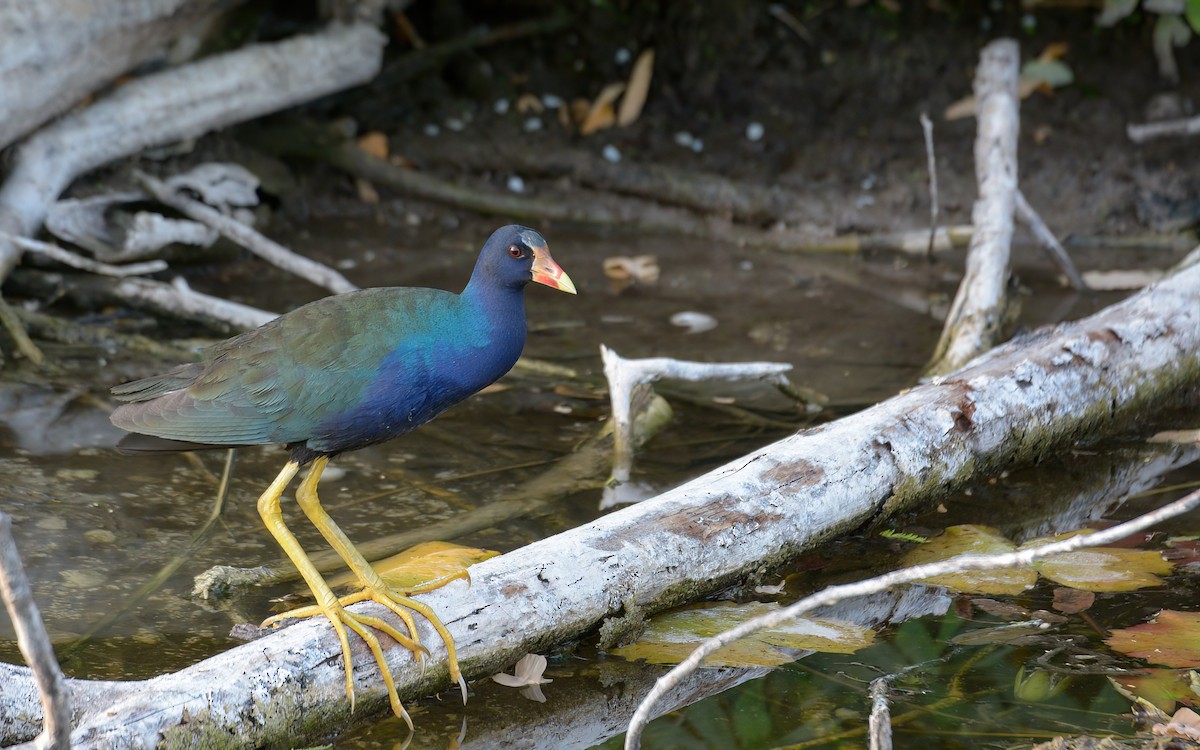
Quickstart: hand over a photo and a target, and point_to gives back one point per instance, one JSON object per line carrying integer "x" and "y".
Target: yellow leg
{"x": 327, "y": 602}
{"x": 374, "y": 587}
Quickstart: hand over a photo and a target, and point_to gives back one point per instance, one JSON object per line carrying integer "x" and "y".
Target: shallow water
{"x": 93, "y": 527}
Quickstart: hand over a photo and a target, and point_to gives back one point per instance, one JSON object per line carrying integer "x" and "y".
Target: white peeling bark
{"x": 973, "y": 325}
{"x": 184, "y": 102}
{"x": 1018, "y": 402}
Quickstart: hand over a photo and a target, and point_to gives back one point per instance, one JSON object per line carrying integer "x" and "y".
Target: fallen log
{"x": 1015, "y": 404}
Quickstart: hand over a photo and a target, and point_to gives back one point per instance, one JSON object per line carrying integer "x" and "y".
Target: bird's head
{"x": 515, "y": 255}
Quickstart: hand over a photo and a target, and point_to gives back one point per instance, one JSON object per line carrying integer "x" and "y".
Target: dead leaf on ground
{"x": 624, "y": 271}
{"x": 1171, "y": 639}
{"x": 374, "y": 144}
{"x": 637, "y": 89}
{"x": 601, "y": 114}
{"x": 528, "y": 103}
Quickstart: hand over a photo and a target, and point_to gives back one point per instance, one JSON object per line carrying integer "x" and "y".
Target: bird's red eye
{"x": 515, "y": 251}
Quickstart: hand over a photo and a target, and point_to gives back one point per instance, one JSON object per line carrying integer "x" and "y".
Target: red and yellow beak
{"x": 546, "y": 271}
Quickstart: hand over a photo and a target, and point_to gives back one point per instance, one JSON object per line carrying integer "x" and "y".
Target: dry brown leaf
{"x": 579, "y": 110}
{"x": 638, "y": 88}
{"x": 374, "y": 144}
{"x": 366, "y": 192}
{"x": 564, "y": 118}
{"x": 602, "y": 115}
{"x": 1054, "y": 51}
{"x": 527, "y": 103}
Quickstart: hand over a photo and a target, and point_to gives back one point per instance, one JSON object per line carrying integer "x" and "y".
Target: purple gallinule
{"x": 336, "y": 375}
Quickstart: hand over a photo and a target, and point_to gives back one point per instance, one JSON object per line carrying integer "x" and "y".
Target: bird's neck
{"x": 500, "y": 310}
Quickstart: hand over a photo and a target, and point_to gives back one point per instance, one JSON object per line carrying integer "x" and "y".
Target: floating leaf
{"x": 1069, "y": 601}
{"x": 973, "y": 540}
{"x": 1162, "y": 688}
{"x": 1171, "y": 639}
{"x": 1012, "y": 634}
{"x": 1102, "y": 568}
{"x": 671, "y": 637}
{"x": 427, "y": 561}
{"x": 638, "y": 88}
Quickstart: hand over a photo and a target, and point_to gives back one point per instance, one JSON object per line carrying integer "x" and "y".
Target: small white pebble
{"x": 697, "y": 145}
{"x": 754, "y": 132}
{"x": 863, "y": 201}
{"x": 346, "y": 264}
{"x": 432, "y": 130}
{"x": 501, "y": 106}
{"x": 694, "y": 322}
{"x": 533, "y": 124}
{"x": 551, "y": 101}
{"x": 622, "y": 56}
{"x": 333, "y": 474}
{"x": 611, "y": 153}
{"x": 684, "y": 138}
{"x": 455, "y": 124}
{"x": 746, "y": 265}
{"x": 516, "y": 184}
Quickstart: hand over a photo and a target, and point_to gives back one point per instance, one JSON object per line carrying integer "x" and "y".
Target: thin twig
{"x": 1045, "y": 238}
{"x": 34, "y": 643}
{"x": 931, "y": 158}
{"x": 835, "y": 594}
{"x": 267, "y": 249}
{"x": 75, "y": 260}
{"x": 20, "y": 337}
{"x": 1166, "y": 128}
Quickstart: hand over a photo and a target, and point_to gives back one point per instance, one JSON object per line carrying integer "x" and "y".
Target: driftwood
{"x": 974, "y": 322}
{"x": 176, "y": 300}
{"x": 34, "y": 643}
{"x": 178, "y": 103}
{"x": 56, "y": 52}
{"x": 1140, "y": 133}
{"x": 1015, "y": 404}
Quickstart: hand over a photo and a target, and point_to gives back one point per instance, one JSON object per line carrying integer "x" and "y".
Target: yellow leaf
{"x": 670, "y": 637}
{"x": 972, "y": 540}
{"x": 602, "y": 115}
{"x": 638, "y": 88}
{"x": 425, "y": 562}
